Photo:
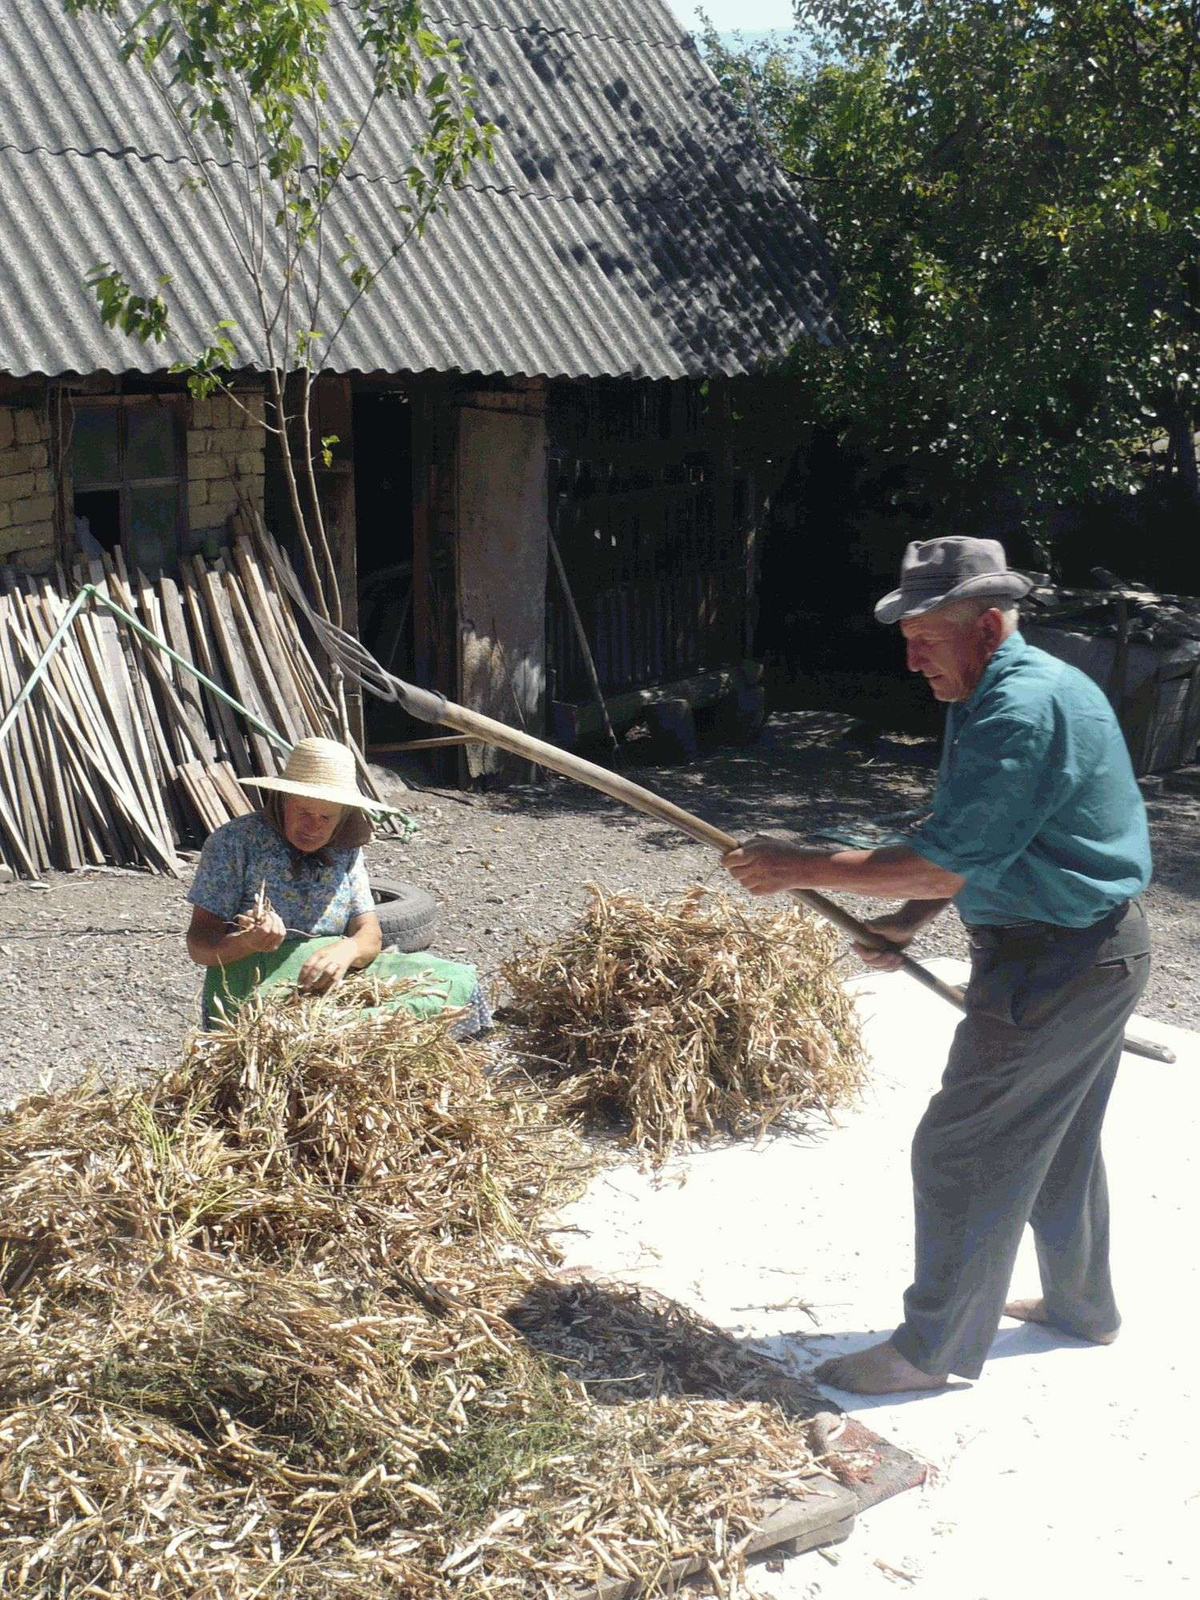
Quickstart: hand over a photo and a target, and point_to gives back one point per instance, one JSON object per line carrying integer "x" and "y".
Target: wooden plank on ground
{"x": 58, "y": 778}
{"x": 96, "y": 635}
{"x": 45, "y": 612}
{"x": 206, "y": 802}
{"x": 113, "y": 680}
{"x": 66, "y": 844}
{"x": 14, "y": 793}
{"x": 188, "y": 738}
{"x": 313, "y": 684}
{"x": 188, "y": 728}
{"x": 12, "y": 842}
{"x": 262, "y": 612}
{"x": 175, "y": 734}
{"x": 276, "y": 711}
{"x": 165, "y": 741}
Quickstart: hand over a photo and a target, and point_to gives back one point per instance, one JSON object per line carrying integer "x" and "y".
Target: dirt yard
{"x": 95, "y": 973}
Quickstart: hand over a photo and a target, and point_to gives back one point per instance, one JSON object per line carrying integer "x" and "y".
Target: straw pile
{"x": 688, "y": 1018}
{"x": 282, "y": 1325}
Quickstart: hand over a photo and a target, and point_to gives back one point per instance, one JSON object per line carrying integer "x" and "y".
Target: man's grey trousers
{"x": 1013, "y": 1136}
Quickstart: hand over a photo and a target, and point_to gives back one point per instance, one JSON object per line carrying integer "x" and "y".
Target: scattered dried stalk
{"x": 283, "y": 1325}
{"x": 690, "y": 1017}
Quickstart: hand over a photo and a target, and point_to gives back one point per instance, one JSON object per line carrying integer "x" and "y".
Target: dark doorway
{"x": 383, "y": 494}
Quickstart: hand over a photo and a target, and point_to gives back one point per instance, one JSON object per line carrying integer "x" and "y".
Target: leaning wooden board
{"x": 120, "y": 753}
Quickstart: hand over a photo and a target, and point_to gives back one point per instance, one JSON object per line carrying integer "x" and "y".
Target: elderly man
{"x": 1038, "y": 835}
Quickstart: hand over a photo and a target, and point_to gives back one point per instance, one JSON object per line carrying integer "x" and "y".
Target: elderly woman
{"x": 282, "y": 896}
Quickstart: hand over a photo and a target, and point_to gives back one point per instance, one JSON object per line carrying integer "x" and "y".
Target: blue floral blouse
{"x": 315, "y": 900}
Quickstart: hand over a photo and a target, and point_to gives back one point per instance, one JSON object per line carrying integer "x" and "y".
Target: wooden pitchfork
{"x": 362, "y": 668}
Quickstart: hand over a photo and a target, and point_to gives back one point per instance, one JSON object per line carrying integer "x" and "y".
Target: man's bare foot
{"x": 1035, "y": 1311}
{"x": 879, "y": 1370}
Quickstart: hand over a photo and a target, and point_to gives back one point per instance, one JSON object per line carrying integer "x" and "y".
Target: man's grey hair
{"x": 969, "y": 610}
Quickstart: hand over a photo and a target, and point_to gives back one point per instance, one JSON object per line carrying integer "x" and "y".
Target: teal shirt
{"x": 1036, "y": 806}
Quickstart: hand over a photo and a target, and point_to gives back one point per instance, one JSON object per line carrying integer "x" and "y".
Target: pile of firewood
{"x": 120, "y": 754}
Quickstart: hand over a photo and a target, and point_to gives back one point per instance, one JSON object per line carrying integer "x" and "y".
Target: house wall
{"x": 225, "y": 454}
{"x": 27, "y": 496}
{"x": 659, "y": 493}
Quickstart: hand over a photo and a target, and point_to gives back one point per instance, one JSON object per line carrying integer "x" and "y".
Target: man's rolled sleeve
{"x": 1004, "y": 778}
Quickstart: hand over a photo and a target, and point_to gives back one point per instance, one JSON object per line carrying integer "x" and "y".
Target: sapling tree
{"x": 247, "y": 84}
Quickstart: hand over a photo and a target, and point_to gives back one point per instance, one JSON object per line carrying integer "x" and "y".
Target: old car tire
{"x": 408, "y": 916}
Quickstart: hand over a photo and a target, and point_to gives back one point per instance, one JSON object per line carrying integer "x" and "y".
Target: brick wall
{"x": 26, "y": 489}
{"x": 225, "y": 454}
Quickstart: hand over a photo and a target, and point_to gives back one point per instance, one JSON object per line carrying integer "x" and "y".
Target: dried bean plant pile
{"x": 284, "y": 1325}
{"x": 690, "y": 1017}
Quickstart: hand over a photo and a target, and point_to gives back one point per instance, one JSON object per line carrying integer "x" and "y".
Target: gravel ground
{"x": 95, "y": 974}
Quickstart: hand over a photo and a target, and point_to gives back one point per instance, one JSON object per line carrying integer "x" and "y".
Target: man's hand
{"x": 260, "y": 935}
{"x": 326, "y": 967}
{"x": 769, "y": 863}
{"x": 900, "y": 928}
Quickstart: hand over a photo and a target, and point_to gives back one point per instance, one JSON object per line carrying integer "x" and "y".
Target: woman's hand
{"x": 259, "y": 935}
{"x": 327, "y": 966}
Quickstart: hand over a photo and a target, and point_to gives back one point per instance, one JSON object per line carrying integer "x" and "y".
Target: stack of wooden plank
{"x": 119, "y": 754}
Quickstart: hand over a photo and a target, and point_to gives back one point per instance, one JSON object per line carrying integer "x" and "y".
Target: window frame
{"x": 124, "y": 404}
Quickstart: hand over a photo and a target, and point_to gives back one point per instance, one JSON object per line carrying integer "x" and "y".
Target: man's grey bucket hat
{"x": 936, "y": 571}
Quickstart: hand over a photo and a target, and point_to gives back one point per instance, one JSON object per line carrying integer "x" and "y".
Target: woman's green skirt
{"x": 448, "y": 985}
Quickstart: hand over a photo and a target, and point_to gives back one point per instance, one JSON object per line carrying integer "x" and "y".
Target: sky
{"x": 727, "y": 15}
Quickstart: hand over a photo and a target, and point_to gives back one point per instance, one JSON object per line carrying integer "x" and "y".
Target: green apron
{"x": 450, "y": 985}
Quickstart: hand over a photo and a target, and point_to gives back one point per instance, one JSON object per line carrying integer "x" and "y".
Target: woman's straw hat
{"x": 322, "y": 769}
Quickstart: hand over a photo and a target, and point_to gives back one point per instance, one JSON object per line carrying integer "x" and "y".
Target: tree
{"x": 246, "y": 82}
{"x": 1012, "y": 193}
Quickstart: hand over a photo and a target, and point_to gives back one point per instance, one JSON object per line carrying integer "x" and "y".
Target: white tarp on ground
{"x": 1066, "y": 1469}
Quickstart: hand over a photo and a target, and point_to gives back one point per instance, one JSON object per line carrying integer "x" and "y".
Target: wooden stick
{"x": 67, "y": 670}
{"x": 271, "y": 692}
{"x": 175, "y": 631}
{"x": 81, "y": 743}
{"x": 585, "y": 648}
{"x": 149, "y": 739}
{"x": 224, "y": 631}
{"x": 27, "y": 767}
{"x": 422, "y": 744}
{"x": 255, "y": 603}
{"x": 23, "y": 819}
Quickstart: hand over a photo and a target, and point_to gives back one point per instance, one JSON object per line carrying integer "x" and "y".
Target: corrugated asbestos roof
{"x": 630, "y": 224}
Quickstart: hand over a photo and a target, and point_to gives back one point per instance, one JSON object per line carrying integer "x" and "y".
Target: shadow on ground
{"x": 808, "y": 771}
{"x": 627, "y": 1344}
